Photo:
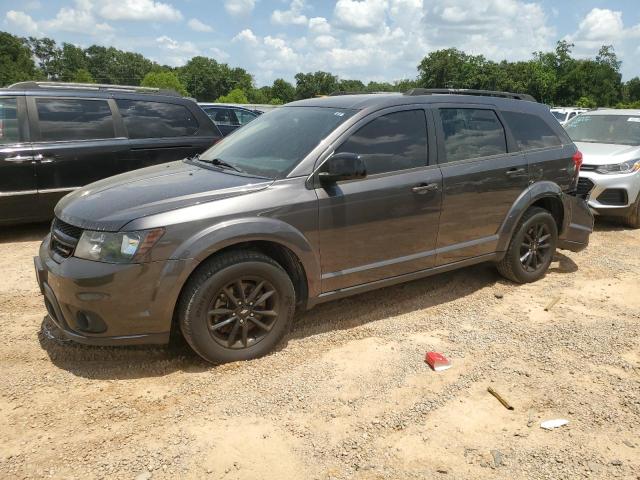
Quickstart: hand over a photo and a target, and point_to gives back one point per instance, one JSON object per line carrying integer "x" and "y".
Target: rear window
{"x": 8, "y": 121}
{"x": 471, "y": 133}
{"x": 145, "y": 119}
{"x": 74, "y": 119}
{"x": 531, "y": 131}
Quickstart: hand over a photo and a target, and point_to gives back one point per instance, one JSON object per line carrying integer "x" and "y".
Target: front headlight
{"x": 119, "y": 247}
{"x": 626, "y": 167}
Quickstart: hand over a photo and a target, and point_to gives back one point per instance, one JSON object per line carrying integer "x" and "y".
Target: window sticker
{"x": 339, "y": 114}
{"x": 634, "y": 119}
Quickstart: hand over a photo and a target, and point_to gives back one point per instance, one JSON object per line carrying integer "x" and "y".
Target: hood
{"x": 607, "y": 153}
{"x": 113, "y": 202}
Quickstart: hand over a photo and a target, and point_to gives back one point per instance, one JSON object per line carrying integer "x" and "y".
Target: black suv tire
{"x": 633, "y": 219}
{"x": 534, "y": 241}
{"x": 221, "y": 312}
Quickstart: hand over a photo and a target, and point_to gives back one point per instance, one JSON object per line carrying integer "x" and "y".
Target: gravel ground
{"x": 349, "y": 395}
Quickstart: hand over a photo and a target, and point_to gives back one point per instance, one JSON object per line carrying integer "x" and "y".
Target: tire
{"x": 633, "y": 219}
{"x": 516, "y": 265}
{"x": 217, "y": 299}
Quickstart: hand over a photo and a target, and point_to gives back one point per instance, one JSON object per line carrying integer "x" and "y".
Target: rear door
{"x": 483, "y": 174}
{"x": 18, "y": 187}
{"x": 74, "y": 143}
{"x": 161, "y": 132}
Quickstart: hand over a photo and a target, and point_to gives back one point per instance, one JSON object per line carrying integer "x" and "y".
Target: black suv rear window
{"x": 471, "y": 133}
{"x": 74, "y": 119}
{"x": 531, "y": 131}
{"x": 8, "y": 121}
{"x": 144, "y": 119}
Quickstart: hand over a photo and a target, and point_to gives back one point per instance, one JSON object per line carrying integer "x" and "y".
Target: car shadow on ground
{"x": 24, "y": 233}
{"x": 610, "y": 225}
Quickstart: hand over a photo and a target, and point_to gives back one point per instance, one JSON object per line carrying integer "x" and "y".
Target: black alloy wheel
{"x": 535, "y": 250}
{"x": 243, "y": 312}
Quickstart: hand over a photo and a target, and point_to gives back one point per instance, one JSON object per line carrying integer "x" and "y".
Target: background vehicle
{"x": 564, "y": 114}
{"x": 317, "y": 200}
{"x": 56, "y": 137}
{"x": 229, "y": 117}
{"x": 610, "y": 177}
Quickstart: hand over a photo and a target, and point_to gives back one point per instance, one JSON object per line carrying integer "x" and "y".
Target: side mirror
{"x": 342, "y": 166}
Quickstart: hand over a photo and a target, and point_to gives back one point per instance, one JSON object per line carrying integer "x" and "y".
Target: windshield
{"x": 616, "y": 129}
{"x": 559, "y": 115}
{"x": 275, "y": 142}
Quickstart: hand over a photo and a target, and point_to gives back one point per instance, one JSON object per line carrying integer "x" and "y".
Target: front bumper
{"x": 110, "y": 304}
{"x": 577, "y": 224}
{"x": 630, "y": 183}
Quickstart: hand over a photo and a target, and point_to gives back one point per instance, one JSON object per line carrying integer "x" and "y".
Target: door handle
{"x": 19, "y": 159}
{"x": 516, "y": 172}
{"x": 424, "y": 188}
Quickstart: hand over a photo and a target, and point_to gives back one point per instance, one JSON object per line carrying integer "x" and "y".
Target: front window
{"x": 559, "y": 115}
{"x": 275, "y": 142}
{"x": 614, "y": 129}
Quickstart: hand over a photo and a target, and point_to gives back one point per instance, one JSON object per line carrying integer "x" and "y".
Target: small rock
{"x": 442, "y": 470}
{"x": 497, "y": 457}
{"x": 146, "y": 475}
{"x": 617, "y": 463}
{"x": 499, "y": 295}
{"x": 628, "y": 444}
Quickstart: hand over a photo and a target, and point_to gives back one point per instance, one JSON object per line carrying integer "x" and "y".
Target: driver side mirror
{"x": 342, "y": 166}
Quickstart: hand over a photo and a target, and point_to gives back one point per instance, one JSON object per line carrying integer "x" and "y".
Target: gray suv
{"x": 314, "y": 201}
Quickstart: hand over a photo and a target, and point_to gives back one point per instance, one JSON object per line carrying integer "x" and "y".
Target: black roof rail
{"x": 91, "y": 87}
{"x": 469, "y": 91}
{"x": 340, "y": 93}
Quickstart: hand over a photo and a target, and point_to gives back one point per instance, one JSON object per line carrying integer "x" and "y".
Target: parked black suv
{"x": 314, "y": 201}
{"x": 229, "y": 118}
{"x": 56, "y": 137}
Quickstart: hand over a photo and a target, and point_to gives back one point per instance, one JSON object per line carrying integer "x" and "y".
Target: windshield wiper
{"x": 220, "y": 163}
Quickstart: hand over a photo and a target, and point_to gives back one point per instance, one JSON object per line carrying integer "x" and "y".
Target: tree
{"x": 16, "y": 62}
{"x": 283, "y": 91}
{"x": 82, "y": 75}
{"x": 72, "y": 60}
{"x": 236, "y": 95}
{"x": 48, "y": 56}
{"x": 164, "y": 80}
{"x": 632, "y": 89}
{"x": 351, "y": 86}
{"x": 313, "y": 84}
{"x": 586, "y": 102}
{"x": 204, "y": 78}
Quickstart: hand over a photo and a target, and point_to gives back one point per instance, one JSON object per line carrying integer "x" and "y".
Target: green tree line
{"x": 555, "y": 77}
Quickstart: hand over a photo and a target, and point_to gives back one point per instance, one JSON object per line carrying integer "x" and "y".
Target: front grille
{"x": 613, "y": 196}
{"x": 64, "y": 238}
{"x": 584, "y": 187}
{"x": 588, "y": 168}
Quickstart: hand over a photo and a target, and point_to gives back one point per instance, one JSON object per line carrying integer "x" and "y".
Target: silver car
{"x": 610, "y": 176}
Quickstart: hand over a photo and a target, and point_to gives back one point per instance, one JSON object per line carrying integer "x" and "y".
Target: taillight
{"x": 577, "y": 160}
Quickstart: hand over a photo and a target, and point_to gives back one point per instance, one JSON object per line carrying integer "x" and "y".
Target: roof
{"x": 615, "y": 111}
{"x": 378, "y": 100}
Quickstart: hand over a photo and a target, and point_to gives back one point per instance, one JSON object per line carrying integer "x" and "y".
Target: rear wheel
{"x": 237, "y": 306}
{"x": 532, "y": 247}
{"x": 633, "y": 219}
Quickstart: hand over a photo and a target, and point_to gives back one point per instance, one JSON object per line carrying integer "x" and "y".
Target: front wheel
{"x": 532, "y": 247}
{"x": 633, "y": 219}
{"x": 237, "y": 306}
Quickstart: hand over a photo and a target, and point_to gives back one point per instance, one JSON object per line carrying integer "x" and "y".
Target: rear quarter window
{"x": 530, "y": 131}
{"x": 144, "y": 119}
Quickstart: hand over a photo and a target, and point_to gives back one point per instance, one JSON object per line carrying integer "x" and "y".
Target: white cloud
{"x": 246, "y": 36}
{"x": 319, "y": 25}
{"x": 198, "y": 26}
{"x": 76, "y": 20}
{"x": 177, "y": 53}
{"x": 23, "y": 22}
{"x": 360, "y": 15}
{"x": 144, "y": 10}
{"x": 293, "y": 16}
{"x": 238, "y": 8}
{"x": 326, "y": 42}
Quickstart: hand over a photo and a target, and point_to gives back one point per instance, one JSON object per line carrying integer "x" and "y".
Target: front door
{"x": 18, "y": 188}
{"x": 483, "y": 175}
{"x": 387, "y": 223}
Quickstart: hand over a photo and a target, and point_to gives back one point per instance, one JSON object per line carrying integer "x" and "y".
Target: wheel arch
{"x": 546, "y": 195}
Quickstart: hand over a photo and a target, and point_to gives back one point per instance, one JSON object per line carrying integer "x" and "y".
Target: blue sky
{"x": 364, "y": 39}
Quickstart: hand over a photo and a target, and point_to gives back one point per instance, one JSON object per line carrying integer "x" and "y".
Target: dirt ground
{"x": 349, "y": 395}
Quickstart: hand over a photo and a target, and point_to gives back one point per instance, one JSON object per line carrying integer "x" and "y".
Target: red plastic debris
{"x": 437, "y": 361}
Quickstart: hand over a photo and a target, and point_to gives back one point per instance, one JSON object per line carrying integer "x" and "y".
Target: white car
{"x": 610, "y": 175}
{"x": 564, "y": 114}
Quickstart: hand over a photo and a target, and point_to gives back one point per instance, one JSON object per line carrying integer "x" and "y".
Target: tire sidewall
{"x": 198, "y": 306}
{"x": 518, "y": 239}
